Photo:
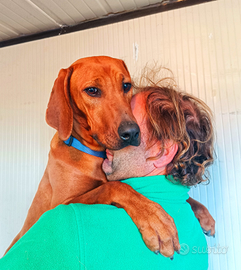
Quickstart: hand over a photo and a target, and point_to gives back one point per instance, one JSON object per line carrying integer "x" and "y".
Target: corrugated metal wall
{"x": 201, "y": 44}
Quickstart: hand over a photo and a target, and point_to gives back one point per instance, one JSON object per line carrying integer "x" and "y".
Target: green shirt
{"x": 79, "y": 236}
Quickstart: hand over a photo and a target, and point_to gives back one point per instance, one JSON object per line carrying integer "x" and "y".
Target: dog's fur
{"x": 74, "y": 176}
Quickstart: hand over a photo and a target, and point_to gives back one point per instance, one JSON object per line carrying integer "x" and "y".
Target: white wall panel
{"x": 201, "y": 44}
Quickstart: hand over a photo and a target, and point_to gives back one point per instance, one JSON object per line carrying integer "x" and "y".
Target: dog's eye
{"x": 126, "y": 87}
{"x": 93, "y": 92}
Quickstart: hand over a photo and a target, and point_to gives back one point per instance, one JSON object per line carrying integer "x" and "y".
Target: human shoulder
{"x": 52, "y": 243}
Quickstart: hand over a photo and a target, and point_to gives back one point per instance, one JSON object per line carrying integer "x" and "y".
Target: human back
{"x": 80, "y": 236}
{"x": 118, "y": 242}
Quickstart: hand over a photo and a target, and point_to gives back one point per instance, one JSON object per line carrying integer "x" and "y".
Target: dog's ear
{"x": 59, "y": 114}
{"x": 124, "y": 64}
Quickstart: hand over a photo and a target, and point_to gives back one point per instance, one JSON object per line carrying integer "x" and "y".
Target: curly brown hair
{"x": 185, "y": 120}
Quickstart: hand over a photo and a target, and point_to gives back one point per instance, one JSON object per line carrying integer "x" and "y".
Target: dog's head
{"x": 91, "y": 99}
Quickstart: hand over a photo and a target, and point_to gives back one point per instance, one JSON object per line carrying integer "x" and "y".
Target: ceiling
{"x": 26, "y": 17}
{"x": 23, "y": 18}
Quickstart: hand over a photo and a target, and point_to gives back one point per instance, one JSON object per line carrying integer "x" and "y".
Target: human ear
{"x": 168, "y": 155}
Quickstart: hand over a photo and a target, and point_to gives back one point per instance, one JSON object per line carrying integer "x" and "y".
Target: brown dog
{"x": 91, "y": 102}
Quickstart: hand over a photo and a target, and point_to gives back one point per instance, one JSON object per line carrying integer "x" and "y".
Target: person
{"x": 176, "y": 147}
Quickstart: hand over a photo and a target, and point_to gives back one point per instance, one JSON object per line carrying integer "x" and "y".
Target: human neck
{"x": 157, "y": 171}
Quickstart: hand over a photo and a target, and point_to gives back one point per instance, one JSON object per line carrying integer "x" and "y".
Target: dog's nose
{"x": 129, "y": 133}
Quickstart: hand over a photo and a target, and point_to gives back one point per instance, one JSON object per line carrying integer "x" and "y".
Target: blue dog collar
{"x": 78, "y": 145}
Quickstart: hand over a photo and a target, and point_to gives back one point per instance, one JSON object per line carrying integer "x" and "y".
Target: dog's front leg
{"x": 156, "y": 226}
{"x": 41, "y": 203}
{"x": 202, "y": 214}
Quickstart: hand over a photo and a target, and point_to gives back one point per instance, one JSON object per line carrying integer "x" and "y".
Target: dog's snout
{"x": 129, "y": 133}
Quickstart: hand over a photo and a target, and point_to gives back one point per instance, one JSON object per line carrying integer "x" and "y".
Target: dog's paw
{"x": 206, "y": 221}
{"x": 158, "y": 229}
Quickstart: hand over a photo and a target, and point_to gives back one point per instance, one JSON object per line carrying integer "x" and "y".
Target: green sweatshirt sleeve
{"x": 37, "y": 249}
